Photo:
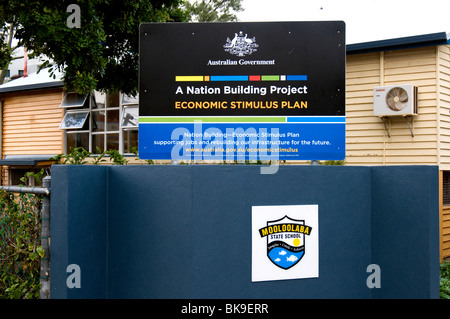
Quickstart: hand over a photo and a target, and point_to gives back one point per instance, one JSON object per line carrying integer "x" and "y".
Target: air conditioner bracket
{"x": 409, "y": 125}
{"x": 384, "y": 118}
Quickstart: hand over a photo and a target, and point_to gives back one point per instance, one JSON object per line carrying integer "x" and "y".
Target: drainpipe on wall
{"x": 25, "y": 62}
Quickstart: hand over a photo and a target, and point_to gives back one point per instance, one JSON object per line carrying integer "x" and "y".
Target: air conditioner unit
{"x": 395, "y": 100}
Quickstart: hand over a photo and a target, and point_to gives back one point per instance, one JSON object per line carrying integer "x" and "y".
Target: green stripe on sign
{"x": 223, "y": 119}
{"x": 270, "y": 78}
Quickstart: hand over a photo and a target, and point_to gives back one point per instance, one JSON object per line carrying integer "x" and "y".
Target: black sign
{"x": 280, "y": 84}
{"x": 280, "y": 68}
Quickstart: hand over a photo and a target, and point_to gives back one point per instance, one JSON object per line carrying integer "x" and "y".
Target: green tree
{"x": 6, "y": 42}
{"x": 214, "y": 10}
{"x": 102, "y": 53}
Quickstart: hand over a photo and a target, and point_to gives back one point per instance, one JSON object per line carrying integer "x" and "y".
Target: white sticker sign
{"x": 285, "y": 242}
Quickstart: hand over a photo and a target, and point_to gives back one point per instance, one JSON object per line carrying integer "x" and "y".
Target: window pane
{"x": 73, "y": 120}
{"x": 75, "y": 140}
{"x": 112, "y": 100}
{"x": 100, "y": 99}
{"x": 130, "y": 117}
{"x": 98, "y": 118}
{"x": 72, "y": 99}
{"x": 112, "y": 120}
{"x": 98, "y": 141}
{"x": 128, "y": 99}
{"x": 130, "y": 140}
{"x": 112, "y": 141}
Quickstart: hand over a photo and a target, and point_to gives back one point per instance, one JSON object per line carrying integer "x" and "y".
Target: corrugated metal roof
{"x": 33, "y": 81}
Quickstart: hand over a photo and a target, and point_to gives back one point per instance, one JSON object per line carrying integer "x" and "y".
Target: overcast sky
{"x": 366, "y": 20}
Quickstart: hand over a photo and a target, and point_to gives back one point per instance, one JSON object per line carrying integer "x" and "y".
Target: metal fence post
{"x": 45, "y": 242}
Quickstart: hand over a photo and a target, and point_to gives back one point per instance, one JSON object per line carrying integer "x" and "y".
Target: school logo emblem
{"x": 285, "y": 241}
{"x": 241, "y": 45}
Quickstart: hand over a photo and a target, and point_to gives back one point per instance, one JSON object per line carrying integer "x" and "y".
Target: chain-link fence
{"x": 24, "y": 242}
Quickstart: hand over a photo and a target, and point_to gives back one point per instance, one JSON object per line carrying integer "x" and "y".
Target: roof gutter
{"x": 29, "y": 87}
{"x": 432, "y": 39}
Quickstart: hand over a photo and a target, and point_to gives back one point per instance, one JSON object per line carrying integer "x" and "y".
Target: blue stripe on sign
{"x": 296, "y": 77}
{"x": 229, "y": 78}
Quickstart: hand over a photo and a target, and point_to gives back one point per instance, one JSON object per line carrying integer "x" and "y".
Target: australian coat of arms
{"x": 241, "y": 45}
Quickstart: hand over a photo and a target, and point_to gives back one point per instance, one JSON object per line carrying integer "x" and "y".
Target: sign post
{"x": 234, "y": 91}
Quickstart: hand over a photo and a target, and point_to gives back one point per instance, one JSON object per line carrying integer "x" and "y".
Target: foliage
{"x": 116, "y": 157}
{"x": 20, "y": 251}
{"x": 214, "y": 10}
{"x": 103, "y": 52}
{"x": 445, "y": 280}
{"x": 332, "y": 162}
{"x": 78, "y": 156}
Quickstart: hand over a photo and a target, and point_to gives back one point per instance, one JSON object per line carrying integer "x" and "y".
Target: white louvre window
{"x": 74, "y": 120}
{"x": 72, "y": 99}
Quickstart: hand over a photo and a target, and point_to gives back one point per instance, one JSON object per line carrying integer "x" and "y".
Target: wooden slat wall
{"x": 367, "y": 140}
{"x": 31, "y": 123}
{"x": 445, "y": 232}
{"x": 444, "y": 138}
{"x": 444, "y": 105}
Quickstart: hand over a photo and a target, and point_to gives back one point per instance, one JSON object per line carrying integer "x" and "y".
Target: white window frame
{"x": 64, "y": 101}
{"x": 91, "y": 106}
{"x": 63, "y": 125}
{"x": 126, "y": 103}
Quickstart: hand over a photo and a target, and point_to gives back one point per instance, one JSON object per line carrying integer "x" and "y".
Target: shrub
{"x": 20, "y": 252}
{"x": 445, "y": 280}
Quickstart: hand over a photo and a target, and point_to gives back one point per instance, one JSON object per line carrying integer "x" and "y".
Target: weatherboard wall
{"x": 367, "y": 140}
{"x": 31, "y": 124}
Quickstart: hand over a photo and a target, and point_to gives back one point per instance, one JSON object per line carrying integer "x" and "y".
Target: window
{"x": 74, "y": 120}
{"x": 100, "y": 122}
{"x": 72, "y": 99}
{"x": 130, "y": 118}
{"x": 105, "y": 123}
{"x": 129, "y": 122}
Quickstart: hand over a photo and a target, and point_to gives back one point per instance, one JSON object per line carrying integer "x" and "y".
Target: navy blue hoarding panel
{"x": 78, "y": 231}
{"x": 405, "y": 209}
{"x": 164, "y": 231}
{"x": 188, "y": 230}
